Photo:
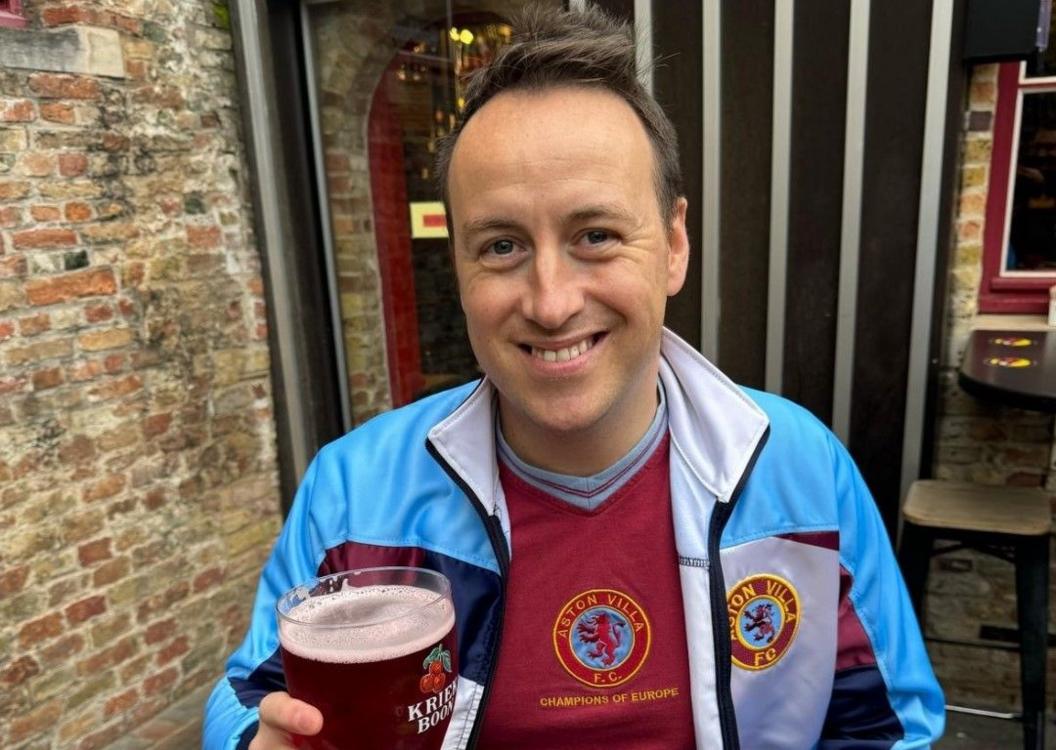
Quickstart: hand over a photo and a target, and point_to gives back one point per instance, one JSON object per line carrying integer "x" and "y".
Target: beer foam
{"x": 395, "y": 620}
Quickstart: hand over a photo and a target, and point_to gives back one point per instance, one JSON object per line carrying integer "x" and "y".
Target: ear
{"x": 677, "y": 248}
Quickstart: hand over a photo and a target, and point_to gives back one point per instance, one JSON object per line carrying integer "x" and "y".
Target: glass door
{"x": 387, "y": 82}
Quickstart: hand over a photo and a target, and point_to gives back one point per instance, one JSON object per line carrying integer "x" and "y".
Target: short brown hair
{"x": 552, "y": 47}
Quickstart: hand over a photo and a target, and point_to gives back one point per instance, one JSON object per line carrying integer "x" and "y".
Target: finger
{"x": 280, "y": 711}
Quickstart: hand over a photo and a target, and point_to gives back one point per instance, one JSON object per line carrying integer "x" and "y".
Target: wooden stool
{"x": 1012, "y": 523}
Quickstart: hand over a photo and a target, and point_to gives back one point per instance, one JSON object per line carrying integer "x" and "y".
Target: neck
{"x": 581, "y": 452}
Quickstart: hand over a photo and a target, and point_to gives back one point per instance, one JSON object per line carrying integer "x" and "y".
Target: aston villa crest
{"x": 764, "y": 616}
{"x": 602, "y": 637}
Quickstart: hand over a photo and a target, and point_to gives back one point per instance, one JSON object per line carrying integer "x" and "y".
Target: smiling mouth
{"x": 565, "y": 354}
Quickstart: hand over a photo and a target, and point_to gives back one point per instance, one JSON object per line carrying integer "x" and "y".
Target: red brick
{"x": 13, "y": 266}
{"x": 137, "y": 69}
{"x": 12, "y": 581}
{"x": 41, "y": 629}
{"x": 336, "y": 162}
{"x": 82, "y": 371}
{"x": 11, "y": 384}
{"x": 85, "y": 609}
{"x": 111, "y": 571}
{"x": 10, "y": 216}
{"x": 45, "y": 213}
{"x": 171, "y": 205}
{"x": 11, "y": 190}
{"x": 98, "y": 313}
{"x": 154, "y": 499}
{"x": 71, "y": 165}
{"x": 115, "y": 388}
{"x": 18, "y": 110}
{"x": 34, "y": 722}
{"x": 47, "y": 378}
{"x": 120, "y": 703}
{"x": 67, "y": 14}
{"x": 19, "y": 670}
{"x": 36, "y": 164}
{"x": 156, "y": 424}
{"x": 57, "y": 112}
{"x": 79, "y": 449}
{"x": 115, "y": 142}
{"x": 158, "y": 682}
{"x": 104, "y": 488}
{"x": 133, "y": 273}
{"x": 7, "y": 330}
{"x": 94, "y": 552}
{"x": 160, "y": 631}
{"x": 33, "y": 324}
{"x": 78, "y": 211}
{"x": 94, "y": 281}
{"x": 44, "y": 238}
{"x": 207, "y": 579}
{"x": 54, "y": 86}
{"x": 174, "y": 650}
{"x": 114, "y": 363}
{"x": 203, "y": 237}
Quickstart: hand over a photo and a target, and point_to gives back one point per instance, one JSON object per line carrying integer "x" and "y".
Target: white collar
{"x": 715, "y": 428}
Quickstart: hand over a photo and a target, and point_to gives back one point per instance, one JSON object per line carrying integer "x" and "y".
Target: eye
{"x": 501, "y": 247}
{"x": 597, "y": 236}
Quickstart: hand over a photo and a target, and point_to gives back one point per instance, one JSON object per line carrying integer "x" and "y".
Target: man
{"x": 643, "y": 555}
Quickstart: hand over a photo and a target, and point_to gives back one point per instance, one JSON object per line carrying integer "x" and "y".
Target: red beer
{"x": 379, "y": 660}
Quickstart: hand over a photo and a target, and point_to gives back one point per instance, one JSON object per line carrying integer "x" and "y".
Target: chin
{"x": 559, "y": 418}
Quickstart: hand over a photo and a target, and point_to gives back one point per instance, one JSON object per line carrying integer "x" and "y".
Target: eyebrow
{"x": 579, "y": 215}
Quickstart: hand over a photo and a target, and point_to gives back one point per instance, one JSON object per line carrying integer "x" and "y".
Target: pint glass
{"x": 374, "y": 650}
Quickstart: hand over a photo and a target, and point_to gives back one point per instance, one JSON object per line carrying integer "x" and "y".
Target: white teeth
{"x": 566, "y": 354}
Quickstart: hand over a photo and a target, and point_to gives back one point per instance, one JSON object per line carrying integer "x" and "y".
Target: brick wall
{"x": 138, "y": 487}
{"x": 981, "y": 443}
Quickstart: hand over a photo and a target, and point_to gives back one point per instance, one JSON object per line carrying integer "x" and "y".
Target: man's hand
{"x": 281, "y": 717}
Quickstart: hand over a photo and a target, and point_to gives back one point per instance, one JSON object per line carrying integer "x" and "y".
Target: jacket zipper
{"x": 493, "y": 527}
{"x": 720, "y": 624}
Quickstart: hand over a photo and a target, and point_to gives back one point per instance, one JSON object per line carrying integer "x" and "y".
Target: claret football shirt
{"x": 593, "y": 651}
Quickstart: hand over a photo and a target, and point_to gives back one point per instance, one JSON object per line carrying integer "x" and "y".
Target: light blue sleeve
{"x": 882, "y": 604}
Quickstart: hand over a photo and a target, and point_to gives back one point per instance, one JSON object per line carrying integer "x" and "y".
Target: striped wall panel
{"x": 802, "y": 139}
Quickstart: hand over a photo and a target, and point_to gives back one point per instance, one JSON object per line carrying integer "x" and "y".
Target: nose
{"x": 555, "y": 294}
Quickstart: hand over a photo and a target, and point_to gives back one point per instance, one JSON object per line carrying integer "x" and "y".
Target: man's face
{"x": 564, "y": 263}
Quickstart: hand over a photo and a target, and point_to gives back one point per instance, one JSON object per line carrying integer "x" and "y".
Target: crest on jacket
{"x": 764, "y": 616}
{"x": 602, "y": 637}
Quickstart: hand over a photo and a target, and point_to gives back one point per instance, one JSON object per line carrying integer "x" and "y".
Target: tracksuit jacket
{"x": 762, "y": 493}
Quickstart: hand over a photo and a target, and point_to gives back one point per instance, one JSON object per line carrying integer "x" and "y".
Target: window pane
{"x": 1043, "y": 64}
{"x": 1032, "y": 238}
